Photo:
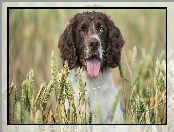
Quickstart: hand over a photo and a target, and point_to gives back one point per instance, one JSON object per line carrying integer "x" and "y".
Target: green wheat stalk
{"x": 81, "y": 105}
{"x": 70, "y": 95}
{"x": 40, "y": 95}
{"x": 13, "y": 98}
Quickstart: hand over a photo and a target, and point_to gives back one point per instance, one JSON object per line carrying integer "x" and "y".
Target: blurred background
{"x": 35, "y": 33}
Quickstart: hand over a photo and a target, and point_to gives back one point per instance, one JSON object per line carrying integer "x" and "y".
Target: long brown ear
{"x": 66, "y": 45}
{"x": 114, "y": 46}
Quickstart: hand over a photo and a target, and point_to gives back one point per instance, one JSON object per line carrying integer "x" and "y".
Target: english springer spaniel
{"x": 92, "y": 41}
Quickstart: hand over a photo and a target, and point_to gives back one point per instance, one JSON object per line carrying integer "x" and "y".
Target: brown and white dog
{"x": 94, "y": 42}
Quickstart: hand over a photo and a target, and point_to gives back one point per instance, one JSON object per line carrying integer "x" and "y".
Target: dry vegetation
{"x": 147, "y": 106}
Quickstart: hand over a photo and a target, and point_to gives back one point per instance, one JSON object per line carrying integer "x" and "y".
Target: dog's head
{"x": 91, "y": 40}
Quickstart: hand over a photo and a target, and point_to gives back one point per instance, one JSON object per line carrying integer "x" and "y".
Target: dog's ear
{"x": 114, "y": 45}
{"x": 66, "y": 45}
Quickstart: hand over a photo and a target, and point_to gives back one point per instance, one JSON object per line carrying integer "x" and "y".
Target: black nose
{"x": 94, "y": 43}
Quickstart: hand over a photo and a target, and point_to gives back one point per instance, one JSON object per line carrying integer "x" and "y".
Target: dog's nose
{"x": 94, "y": 43}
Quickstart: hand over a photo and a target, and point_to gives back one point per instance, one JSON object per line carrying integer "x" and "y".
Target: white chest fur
{"x": 100, "y": 94}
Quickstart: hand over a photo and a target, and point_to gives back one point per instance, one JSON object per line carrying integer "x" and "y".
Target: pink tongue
{"x": 93, "y": 67}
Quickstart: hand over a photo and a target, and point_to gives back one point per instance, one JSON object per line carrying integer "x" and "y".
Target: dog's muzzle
{"x": 93, "y": 56}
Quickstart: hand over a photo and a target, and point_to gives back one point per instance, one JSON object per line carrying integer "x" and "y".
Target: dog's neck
{"x": 103, "y": 80}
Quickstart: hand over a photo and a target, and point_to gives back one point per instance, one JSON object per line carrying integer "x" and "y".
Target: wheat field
{"x": 36, "y": 74}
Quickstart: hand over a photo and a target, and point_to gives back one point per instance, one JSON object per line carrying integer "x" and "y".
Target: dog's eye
{"x": 101, "y": 29}
{"x": 81, "y": 31}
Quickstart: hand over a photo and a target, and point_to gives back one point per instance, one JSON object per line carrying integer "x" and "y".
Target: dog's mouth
{"x": 93, "y": 65}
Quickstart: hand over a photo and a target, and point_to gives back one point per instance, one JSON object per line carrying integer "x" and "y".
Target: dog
{"x": 92, "y": 41}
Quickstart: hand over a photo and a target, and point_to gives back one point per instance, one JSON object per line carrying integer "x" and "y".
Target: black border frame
{"x": 8, "y": 8}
